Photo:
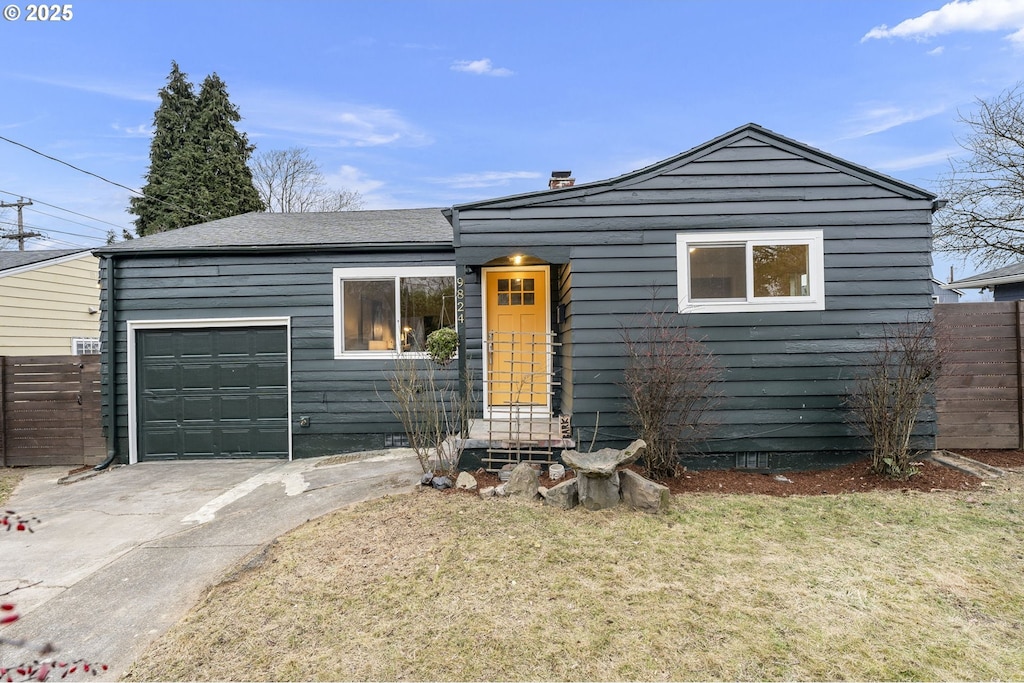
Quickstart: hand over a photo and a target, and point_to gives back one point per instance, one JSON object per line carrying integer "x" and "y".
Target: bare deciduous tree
{"x": 984, "y": 215}
{"x": 290, "y": 181}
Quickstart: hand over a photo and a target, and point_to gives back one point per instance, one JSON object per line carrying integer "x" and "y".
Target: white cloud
{"x": 481, "y": 67}
{"x": 880, "y": 118}
{"x": 486, "y": 179}
{"x": 916, "y": 161}
{"x": 110, "y": 89}
{"x": 316, "y": 123}
{"x": 351, "y": 178}
{"x": 966, "y": 15}
{"x": 936, "y": 52}
{"x": 143, "y": 130}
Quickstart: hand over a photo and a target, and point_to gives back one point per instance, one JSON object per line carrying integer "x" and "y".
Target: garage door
{"x": 212, "y": 393}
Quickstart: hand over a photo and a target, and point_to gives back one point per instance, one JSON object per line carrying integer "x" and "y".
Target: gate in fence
{"x": 50, "y": 411}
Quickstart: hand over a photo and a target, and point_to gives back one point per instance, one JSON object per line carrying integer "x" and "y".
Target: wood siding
{"x": 43, "y": 309}
{"x": 346, "y": 400}
{"x": 785, "y": 373}
{"x": 980, "y": 398}
{"x": 50, "y": 411}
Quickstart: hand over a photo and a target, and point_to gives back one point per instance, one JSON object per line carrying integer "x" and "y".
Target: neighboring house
{"x": 273, "y": 334}
{"x": 49, "y": 303}
{"x": 941, "y": 294}
{"x": 1006, "y": 283}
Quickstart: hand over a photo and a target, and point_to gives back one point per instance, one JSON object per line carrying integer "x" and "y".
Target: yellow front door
{"x": 516, "y": 334}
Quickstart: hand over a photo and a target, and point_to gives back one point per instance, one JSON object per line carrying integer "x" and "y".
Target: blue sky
{"x": 433, "y": 103}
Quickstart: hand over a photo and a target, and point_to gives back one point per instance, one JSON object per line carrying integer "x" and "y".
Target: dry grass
{"x": 879, "y": 586}
{"x": 9, "y": 479}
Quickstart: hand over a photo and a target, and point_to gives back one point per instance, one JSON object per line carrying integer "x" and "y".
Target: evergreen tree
{"x": 197, "y": 160}
{"x": 224, "y": 171}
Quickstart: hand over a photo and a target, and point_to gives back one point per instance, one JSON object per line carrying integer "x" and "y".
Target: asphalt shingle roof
{"x": 17, "y": 259}
{"x": 1004, "y": 275}
{"x": 290, "y": 230}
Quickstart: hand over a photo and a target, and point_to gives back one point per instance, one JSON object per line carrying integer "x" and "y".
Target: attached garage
{"x": 205, "y": 390}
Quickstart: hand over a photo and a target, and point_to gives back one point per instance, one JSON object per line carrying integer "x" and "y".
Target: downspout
{"x": 111, "y": 368}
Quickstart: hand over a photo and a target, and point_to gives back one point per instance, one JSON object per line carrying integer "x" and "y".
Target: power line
{"x": 61, "y": 208}
{"x": 46, "y": 231}
{"x": 106, "y": 180}
{"x": 66, "y": 220}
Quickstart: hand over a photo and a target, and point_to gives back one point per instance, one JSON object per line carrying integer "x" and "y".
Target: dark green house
{"x": 789, "y": 262}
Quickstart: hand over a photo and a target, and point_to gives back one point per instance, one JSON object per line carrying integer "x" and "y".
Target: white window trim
{"x": 378, "y": 273}
{"x": 813, "y": 238}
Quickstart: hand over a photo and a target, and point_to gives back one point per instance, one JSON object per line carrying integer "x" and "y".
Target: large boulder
{"x": 643, "y": 494}
{"x": 524, "y": 483}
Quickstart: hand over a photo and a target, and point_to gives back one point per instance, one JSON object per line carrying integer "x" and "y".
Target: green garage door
{"x": 212, "y": 393}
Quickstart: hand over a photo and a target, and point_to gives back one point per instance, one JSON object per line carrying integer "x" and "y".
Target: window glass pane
{"x": 781, "y": 270}
{"x": 718, "y": 271}
{"x": 368, "y": 308}
{"x": 428, "y": 303}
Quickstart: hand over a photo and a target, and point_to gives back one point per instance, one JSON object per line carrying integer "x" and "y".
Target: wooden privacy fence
{"x": 979, "y": 395}
{"x": 50, "y": 411}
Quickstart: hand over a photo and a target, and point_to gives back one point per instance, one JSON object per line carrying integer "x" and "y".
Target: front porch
{"x": 511, "y": 439}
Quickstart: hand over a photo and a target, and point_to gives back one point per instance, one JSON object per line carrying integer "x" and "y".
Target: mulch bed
{"x": 852, "y": 478}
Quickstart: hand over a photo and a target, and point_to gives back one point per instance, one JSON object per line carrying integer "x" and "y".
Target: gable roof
{"x": 21, "y": 261}
{"x": 999, "y": 276}
{"x": 751, "y": 130}
{"x": 299, "y": 231}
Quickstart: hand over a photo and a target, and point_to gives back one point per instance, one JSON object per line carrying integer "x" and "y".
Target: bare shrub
{"x": 435, "y": 411}
{"x": 668, "y": 380}
{"x": 887, "y": 400}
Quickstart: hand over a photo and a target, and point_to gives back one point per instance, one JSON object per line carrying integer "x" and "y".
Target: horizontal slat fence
{"x": 50, "y": 411}
{"x": 979, "y": 395}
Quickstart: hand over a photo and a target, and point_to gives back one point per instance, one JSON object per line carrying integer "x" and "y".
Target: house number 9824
{"x": 460, "y": 300}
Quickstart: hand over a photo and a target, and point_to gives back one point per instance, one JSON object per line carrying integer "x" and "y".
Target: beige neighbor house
{"x": 49, "y": 303}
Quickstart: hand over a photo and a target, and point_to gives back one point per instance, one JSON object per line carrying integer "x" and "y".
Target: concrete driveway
{"x": 119, "y": 557}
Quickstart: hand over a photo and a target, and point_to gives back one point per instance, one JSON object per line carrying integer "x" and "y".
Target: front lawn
{"x": 9, "y": 479}
{"x": 880, "y": 586}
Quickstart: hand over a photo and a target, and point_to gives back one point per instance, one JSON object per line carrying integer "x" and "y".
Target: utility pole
{"x": 21, "y": 235}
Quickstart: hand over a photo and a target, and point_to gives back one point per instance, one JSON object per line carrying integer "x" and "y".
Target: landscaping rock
{"x": 524, "y": 482}
{"x": 565, "y": 495}
{"x": 488, "y": 492}
{"x": 598, "y": 479}
{"x": 604, "y": 462}
{"x": 427, "y": 478}
{"x": 643, "y": 494}
{"x": 465, "y": 480}
{"x": 598, "y": 492}
{"x": 441, "y": 483}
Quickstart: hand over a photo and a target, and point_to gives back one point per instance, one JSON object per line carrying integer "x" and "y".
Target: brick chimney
{"x": 561, "y": 179}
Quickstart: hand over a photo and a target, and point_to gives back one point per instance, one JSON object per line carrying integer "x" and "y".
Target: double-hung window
{"x": 780, "y": 270}
{"x": 380, "y": 312}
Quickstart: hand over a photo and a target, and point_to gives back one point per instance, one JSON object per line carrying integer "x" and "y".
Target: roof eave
{"x": 279, "y": 248}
